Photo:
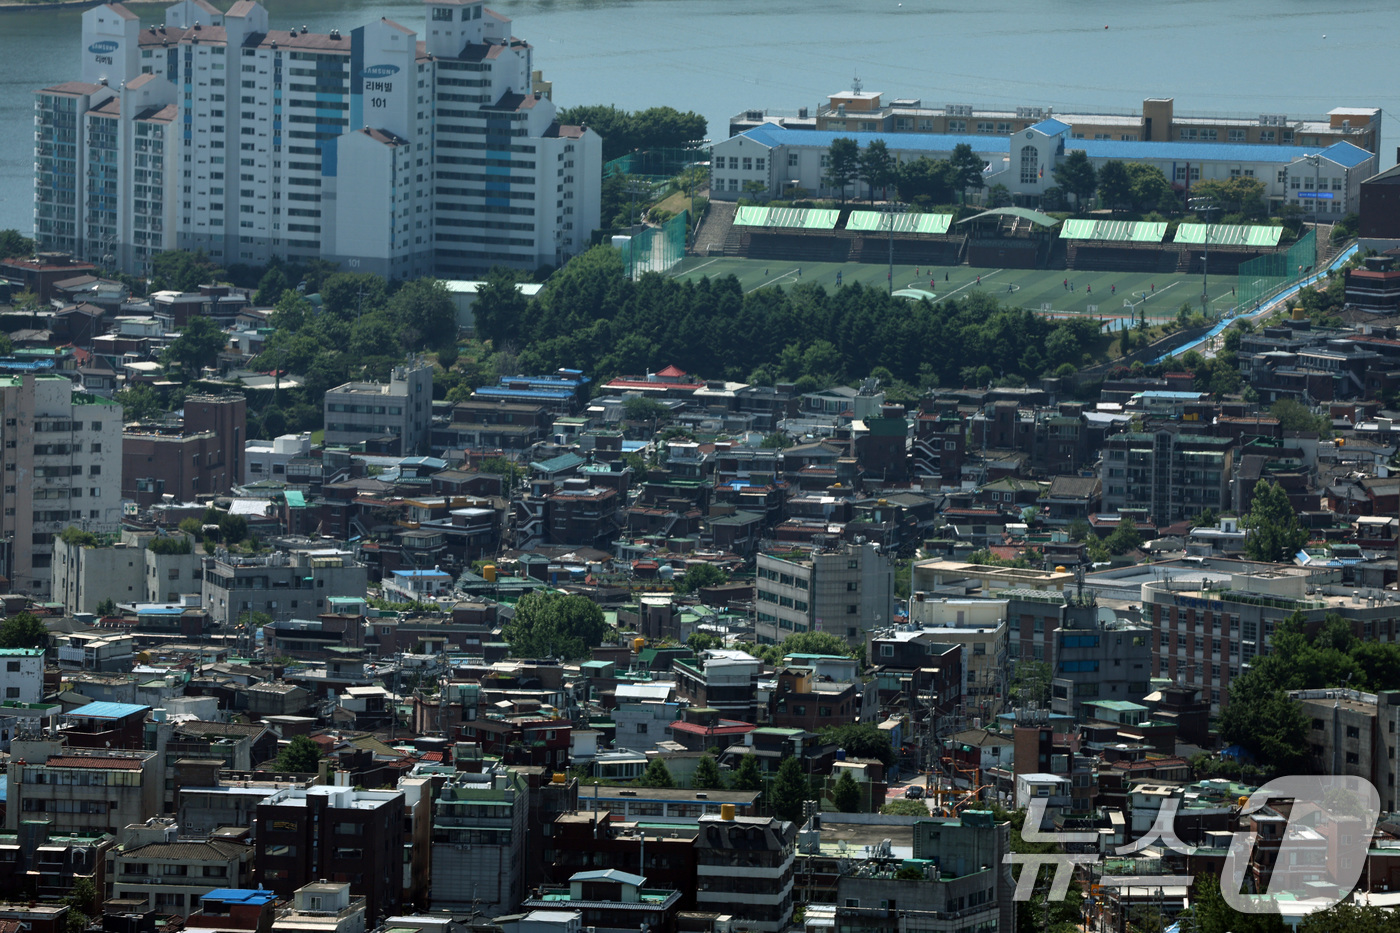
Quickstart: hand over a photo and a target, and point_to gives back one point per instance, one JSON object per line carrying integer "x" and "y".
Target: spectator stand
{"x": 1229, "y": 246}
{"x": 1117, "y": 246}
{"x": 792, "y": 234}
{"x": 918, "y": 239}
{"x": 1010, "y": 238}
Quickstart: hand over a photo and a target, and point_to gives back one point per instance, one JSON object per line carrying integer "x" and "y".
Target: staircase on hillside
{"x": 713, "y": 235}
{"x": 1326, "y": 250}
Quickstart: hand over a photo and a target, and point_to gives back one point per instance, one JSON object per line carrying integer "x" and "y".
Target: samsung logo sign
{"x": 102, "y": 48}
{"x": 380, "y": 71}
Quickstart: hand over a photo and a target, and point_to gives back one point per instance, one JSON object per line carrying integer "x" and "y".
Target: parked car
{"x": 913, "y": 792}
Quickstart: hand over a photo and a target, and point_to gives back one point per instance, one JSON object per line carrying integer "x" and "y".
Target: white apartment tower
{"x": 374, "y": 149}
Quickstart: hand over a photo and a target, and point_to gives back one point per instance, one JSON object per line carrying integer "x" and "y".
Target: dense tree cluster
{"x": 553, "y": 625}
{"x": 591, "y": 316}
{"x": 624, "y": 131}
{"x": 1264, "y": 720}
{"x": 923, "y": 182}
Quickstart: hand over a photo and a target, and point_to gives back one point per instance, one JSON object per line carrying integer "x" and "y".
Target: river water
{"x": 720, "y": 57}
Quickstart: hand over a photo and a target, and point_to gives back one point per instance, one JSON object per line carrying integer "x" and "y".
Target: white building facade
{"x": 62, "y": 468}
{"x": 377, "y": 150}
{"x": 22, "y": 675}
{"x": 1324, "y": 181}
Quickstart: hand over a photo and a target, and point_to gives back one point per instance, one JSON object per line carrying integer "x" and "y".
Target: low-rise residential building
{"x": 392, "y": 417}
{"x": 846, "y": 590}
{"x": 332, "y": 832}
{"x": 613, "y": 900}
{"x": 744, "y": 867}
{"x": 323, "y": 907}
{"x": 92, "y": 791}
{"x": 21, "y": 675}
{"x": 151, "y": 862}
{"x": 721, "y": 679}
{"x": 268, "y": 459}
{"x": 479, "y": 827}
{"x": 283, "y": 585}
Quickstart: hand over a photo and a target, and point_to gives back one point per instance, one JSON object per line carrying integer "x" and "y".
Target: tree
{"x": 1150, "y": 188}
{"x": 425, "y": 315}
{"x": 925, "y": 182}
{"x": 700, "y": 641}
{"x": 846, "y": 793}
{"x": 790, "y": 791}
{"x": 23, "y": 630}
{"x": 553, "y": 625}
{"x": 778, "y": 440}
{"x": 747, "y": 776}
{"x": 700, "y": 575}
{"x": 1351, "y": 918}
{"x": 965, "y": 169}
{"x": 82, "y": 904}
{"x": 641, "y": 408}
{"x": 182, "y": 270}
{"x": 706, "y": 776}
{"x": 107, "y": 607}
{"x": 300, "y": 756}
{"x": 139, "y": 402}
{"x": 271, "y": 287}
{"x": 1076, "y": 175}
{"x": 1124, "y": 538}
{"x": 843, "y": 164}
{"x": 200, "y": 342}
{"x": 1115, "y": 186}
{"x": 903, "y": 807}
{"x": 877, "y": 166}
{"x": 861, "y": 740}
{"x": 624, "y": 132}
{"x": 1273, "y": 531}
{"x": 657, "y": 774}
{"x": 998, "y": 195}
{"x": 815, "y": 643}
{"x": 1262, "y": 718}
{"x": 1295, "y": 416}
{"x": 15, "y": 245}
{"x": 1030, "y": 683}
{"x": 499, "y": 307}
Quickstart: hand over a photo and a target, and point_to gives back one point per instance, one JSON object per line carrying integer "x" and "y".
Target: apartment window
{"x": 12, "y": 667}
{"x": 792, "y": 159}
{"x": 94, "y": 470}
{"x": 641, "y": 728}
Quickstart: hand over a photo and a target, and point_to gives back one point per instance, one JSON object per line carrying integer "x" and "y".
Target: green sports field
{"x": 1100, "y": 294}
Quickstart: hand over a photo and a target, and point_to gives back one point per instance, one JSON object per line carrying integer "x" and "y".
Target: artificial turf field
{"x": 1097, "y": 294}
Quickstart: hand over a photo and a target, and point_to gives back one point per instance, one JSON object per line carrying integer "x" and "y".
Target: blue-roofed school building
{"x": 1323, "y": 180}
{"x": 563, "y": 392}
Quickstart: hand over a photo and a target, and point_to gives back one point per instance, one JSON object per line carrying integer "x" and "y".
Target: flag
{"x": 1042, "y": 171}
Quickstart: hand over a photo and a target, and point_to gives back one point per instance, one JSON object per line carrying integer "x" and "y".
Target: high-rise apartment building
{"x": 376, "y": 149}
{"x": 62, "y": 467}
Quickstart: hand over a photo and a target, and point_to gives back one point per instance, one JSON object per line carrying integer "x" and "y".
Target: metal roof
{"x": 1208, "y": 152}
{"x": 1050, "y": 127}
{"x": 881, "y": 221}
{"x": 108, "y": 710}
{"x": 1035, "y": 217}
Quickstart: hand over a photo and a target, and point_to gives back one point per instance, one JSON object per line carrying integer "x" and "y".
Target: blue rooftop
{"x": 1345, "y": 154}
{"x": 108, "y": 710}
{"x": 1197, "y": 152}
{"x": 501, "y": 392}
{"x": 772, "y": 136}
{"x": 421, "y": 573}
{"x": 239, "y": 896}
{"x": 1341, "y": 153}
{"x": 1050, "y": 127}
